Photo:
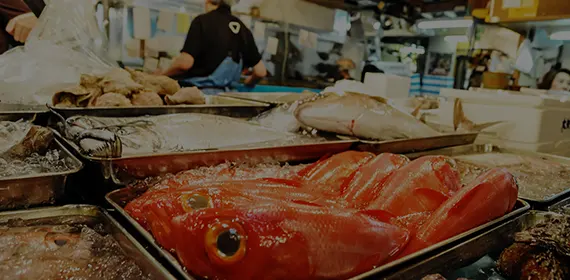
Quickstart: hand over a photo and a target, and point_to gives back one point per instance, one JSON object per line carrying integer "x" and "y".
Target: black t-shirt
{"x": 211, "y": 39}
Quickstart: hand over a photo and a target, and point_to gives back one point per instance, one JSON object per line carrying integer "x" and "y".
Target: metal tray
{"x": 124, "y": 170}
{"x": 562, "y": 207}
{"x": 217, "y": 105}
{"x": 492, "y": 241}
{"x": 488, "y": 148}
{"x": 14, "y": 112}
{"x": 94, "y": 215}
{"x": 37, "y": 189}
{"x": 273, "y": 98}
{"x": 119, "y": 199}
{"x": 418, "y": 144}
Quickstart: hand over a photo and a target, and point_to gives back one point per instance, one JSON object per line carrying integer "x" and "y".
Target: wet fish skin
{"x": 491, "y": 195}
{"x": 364, "y": 185}
{"x": 331, "y": 173}
{"x": 361, "y": 116}
{"x": 279, "y": 241}
{"x": 420, "y": 186}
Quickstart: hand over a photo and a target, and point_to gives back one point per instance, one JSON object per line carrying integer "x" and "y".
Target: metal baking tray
{"x": 488, "y": 148}
{"x": 490, "y": 242}
{"x": 217, "y": 105}
{"x": 562, "y": 207}
{"x": 14, "y": 112}
{"x": 273, "y": 98}
{"x": 120, "y": 198}
{"x": 418, "y": 144}
{"x": 93, "y": 215}
{"x": 124, "y": 170}
{"x": 37, "y": 189}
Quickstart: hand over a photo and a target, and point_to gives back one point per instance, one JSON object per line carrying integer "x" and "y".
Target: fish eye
{"x": 192, "y": 202}
{"x": 58, "y": 239}
{"x": 226, "y": 243}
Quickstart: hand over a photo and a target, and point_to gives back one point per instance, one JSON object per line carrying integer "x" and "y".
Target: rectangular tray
{"x": 124, "y": 170}
{"x": 418, "y": 144}
{"x": 31, "y": 190}
{"x": 119, "y": 198}
{"x": 562, "y": 207}
{"x": 466, "y": 253}
{"x": 273, "y": 98}
{"x": 14, "y": 112}
{"x": 93, "y": 214}
{"x": 217, "y": 105}
{"x": 488, "y": 148}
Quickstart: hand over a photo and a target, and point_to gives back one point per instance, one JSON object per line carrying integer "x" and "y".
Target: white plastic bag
{"x": 65, "y": 43}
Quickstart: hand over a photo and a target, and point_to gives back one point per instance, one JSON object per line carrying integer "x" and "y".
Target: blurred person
{"x": 556, "y": 80}
{"x": 17, "y": 21}
{"x": 217, "y": 48}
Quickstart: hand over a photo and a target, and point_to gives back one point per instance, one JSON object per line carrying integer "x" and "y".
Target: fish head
{"x": 101, "y": 143}
{"x": 238, "y": 242}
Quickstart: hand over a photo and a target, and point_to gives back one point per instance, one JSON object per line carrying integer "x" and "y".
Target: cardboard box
{"x": 524, "y": 10}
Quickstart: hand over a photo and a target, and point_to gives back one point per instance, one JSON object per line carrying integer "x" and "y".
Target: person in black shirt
{"x": 217, "y": 49}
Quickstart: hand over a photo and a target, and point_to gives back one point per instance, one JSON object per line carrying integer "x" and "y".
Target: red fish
{"x": 364, "y": 185}
{"x": 137, "y": 211}
{"x": 280, "y": 241}
{"x": 491, "y": 195}
{"x": 332, "y": 172}
{"x": 421, "y": 186}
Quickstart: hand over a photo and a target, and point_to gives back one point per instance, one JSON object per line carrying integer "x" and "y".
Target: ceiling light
{"x": 456, "y": 39}
{"x": 427, "y": 15}
{"x": 438, "y": 24}
{"x": 560, "y": 35}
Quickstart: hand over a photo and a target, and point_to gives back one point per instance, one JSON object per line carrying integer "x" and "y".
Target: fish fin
{"x": 432, "y": 195}
{"x": 346, "y": 182}
{"x": 479, "y": 127}
{"x": 292, "y": 183}
{"x": 417, "y": 110}
{"x": 461, "y": 204}
{"x": 303, "y": 172}
{"x": 379, "y": 215}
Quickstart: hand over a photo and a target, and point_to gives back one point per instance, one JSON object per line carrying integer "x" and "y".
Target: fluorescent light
{"x": 560, "y": 35}
{"x": 437, "y": 24}
{"x": 456, "y": 39}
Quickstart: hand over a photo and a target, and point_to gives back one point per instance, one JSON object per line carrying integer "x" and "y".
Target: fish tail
{"x": 458, "y": 114}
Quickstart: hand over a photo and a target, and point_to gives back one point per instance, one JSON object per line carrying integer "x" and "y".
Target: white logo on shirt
{"x": 235, "y": 27}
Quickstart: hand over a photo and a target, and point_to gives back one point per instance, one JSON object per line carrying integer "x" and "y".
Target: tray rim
{"x": 496, "y": 148}
{"x": 525, "y": 206}
{"x": 78, "y": 167}
{"x": 443, "y": 136}
{"x": 95, "y": 210}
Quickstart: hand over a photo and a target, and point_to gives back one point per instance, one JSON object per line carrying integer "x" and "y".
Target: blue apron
{"x": 225, "y": 78}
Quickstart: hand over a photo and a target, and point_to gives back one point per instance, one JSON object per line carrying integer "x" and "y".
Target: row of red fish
{"x": 336, "y": 218}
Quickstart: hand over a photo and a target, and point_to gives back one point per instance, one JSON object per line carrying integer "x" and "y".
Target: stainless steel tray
{"x": 217, "y": 105}
{"x": 94, "y": 215}
{"x": 562, "y": 207}
{"x": 14, "y": 112}
{"x": 418, "y": 144}
{"x": 494, "y": 240}
{"x": 37, "y": 189}
{"x": 123, "y": 170}
{"x": 487, "y": 148}
{"x": 119, "y": 199}
{"x": 273, "y": 98}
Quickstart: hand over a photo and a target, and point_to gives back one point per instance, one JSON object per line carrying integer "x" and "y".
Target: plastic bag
{"x": 65, "y": 43}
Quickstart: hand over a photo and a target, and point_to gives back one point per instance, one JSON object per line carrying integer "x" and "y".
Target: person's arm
{"x": 17, "y": 18}
{"x": 180, "y": 65}
{"x": 259, "y": 72}
{"x": 192, "y": 49}
{"x": 252, "y": 58}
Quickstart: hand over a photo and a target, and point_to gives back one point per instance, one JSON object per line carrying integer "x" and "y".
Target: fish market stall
{"x": 33, "y": 166}
{"x": 543, "y": 179}
{"x": 397, "y": 218}
{"x": 74, "y": 241}
{"x": 532, "y": 246}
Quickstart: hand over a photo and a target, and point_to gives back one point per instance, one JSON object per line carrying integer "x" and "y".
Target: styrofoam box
{"x": 390, "y": 86}
{"x": 560, "y": 148}
{"x": 526, "y": 118}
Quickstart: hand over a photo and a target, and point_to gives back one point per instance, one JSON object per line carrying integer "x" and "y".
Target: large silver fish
{"x": 361, "y": 116}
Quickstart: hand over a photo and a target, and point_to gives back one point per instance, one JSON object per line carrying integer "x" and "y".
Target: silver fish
{"x": 361, "y": 116}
